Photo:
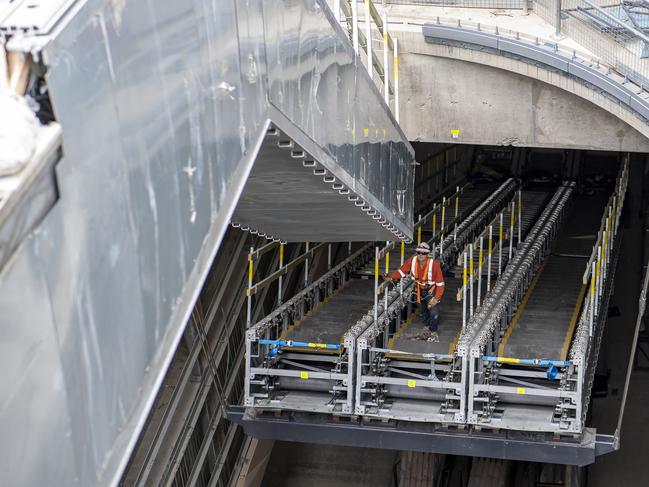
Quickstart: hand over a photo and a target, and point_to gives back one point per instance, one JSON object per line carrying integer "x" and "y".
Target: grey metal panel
{"x": 460, "y": 35}
{"x": 163, "y": 107}
{"x": 34, "y": 408}
{"x": 600, "y": 81}
{"x": 300, "y": 49}
{"x": 640, "y": 105}
{"x": 423, "y": 437}
{"x": 537, "y": 53}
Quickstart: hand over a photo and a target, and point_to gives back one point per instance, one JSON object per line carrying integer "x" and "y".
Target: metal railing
{"x": 362, "y": 37}
{"x": 614, "y": 31}
{"x": 505, "y": 4}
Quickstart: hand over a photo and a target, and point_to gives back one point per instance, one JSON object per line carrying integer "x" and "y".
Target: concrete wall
{"x": 494, "y": 106}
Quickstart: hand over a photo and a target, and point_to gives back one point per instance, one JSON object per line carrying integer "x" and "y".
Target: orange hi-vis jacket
{"x": 427, "y": 277}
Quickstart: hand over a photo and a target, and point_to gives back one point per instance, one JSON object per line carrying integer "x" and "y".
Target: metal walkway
{"x": 546, "y": 319}
{"x": 450, "y": 321}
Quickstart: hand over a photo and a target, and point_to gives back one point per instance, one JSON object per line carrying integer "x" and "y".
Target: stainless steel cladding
{"x": 163, "y": 106}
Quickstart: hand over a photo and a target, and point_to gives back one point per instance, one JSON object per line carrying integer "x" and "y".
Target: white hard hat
{"x": 423, "y": 248}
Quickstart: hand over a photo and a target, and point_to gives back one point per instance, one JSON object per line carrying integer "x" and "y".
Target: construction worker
{"x": 429, "y": 287}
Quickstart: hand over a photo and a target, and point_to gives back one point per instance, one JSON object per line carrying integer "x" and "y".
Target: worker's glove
{"x": 386, "y": 277}
{"x": 432, "y": 302}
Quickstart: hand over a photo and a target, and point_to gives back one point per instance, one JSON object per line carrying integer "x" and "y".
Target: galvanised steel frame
{"x": 385, "y": 375}
{"x": 269, "y": 357}
{"x": 536, "y": 393}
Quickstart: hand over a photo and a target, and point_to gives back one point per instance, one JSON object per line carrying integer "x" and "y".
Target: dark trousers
{"x": 430, "y": 316}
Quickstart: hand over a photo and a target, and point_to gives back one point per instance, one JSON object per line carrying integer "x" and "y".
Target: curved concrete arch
{"x": 617, "y": 99}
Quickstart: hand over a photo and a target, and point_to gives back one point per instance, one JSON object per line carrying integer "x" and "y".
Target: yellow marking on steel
{"x": 281, "y": 252}
{"x": 396, "y": 66}
{"x": 521, "y": 308}
{"x": 520, "y": 390}
{"x": 443, "y": 216}
{"x": 434, "y": 222}
{"x": 453, "y": 344}
{"x": 403, "y": 249}
{"x": 304, "y": 375}
{"x": 490, "y": 244}
{"x": 387, "y": 261}
{"x": 418, "y": 235}
{"x": 412, "y": 383}
{"x": 508, "y": 360}
{"x": 317, "y": 345}
{"x": 573, "y": 323}
{"x": 366, "y": 132}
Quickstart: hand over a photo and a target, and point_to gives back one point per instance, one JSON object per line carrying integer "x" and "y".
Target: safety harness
{"x": 426, "y": 279}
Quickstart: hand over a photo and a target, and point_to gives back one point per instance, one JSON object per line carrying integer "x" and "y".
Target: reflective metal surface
{"x": 163, "y": 106}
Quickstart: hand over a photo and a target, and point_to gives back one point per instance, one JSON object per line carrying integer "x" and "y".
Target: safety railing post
{"x": 471, "y": 279}
{"x": 385, "y": 306}
{"x": 520, "y": 212}
{"x": 386, "y": 69}
{"x": 349, "y": 248}
{"x": 457, "y": 201}
{"x": 479, "y": 272}
{"x": 306, "y": 266}
{"x": 464, "y": 284}
{"x": 455, "y": 233}
{"x": 434, "y": 220}
{"x": 419, "y": 231}
{"x": 592, "y": 299}
{"x": 396, "y": 78}
{"x": 511, "y": 230}
{"x": 355, "y": 26}
{"x": 403, "y": 253}
{"x": 376, "y": 284}
{"x": 249, "y": 304}
{"x": 598, "y": 281}
{"x": 443, "y": 215}
{"x": 489, "y": 258}
{"x": 500, "y": 244}
{"x": 279, "y": 280}
{"x": 368, "y": 38}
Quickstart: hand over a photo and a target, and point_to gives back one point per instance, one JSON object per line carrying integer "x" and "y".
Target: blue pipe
{"x": 291, "y": 343}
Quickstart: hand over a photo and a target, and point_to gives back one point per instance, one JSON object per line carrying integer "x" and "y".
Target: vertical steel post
{"x": 443, "y": 214}
{"x": 385, "y": 307}
{"x": 592, "y": 299}
{"x": 455, "y": 233}
{"x": 500, "y": 245}
{"x": 355, "y": 26}
{"x": 479, "y": 272}
{"x": 386, "y": 69}
{"x": 250, "y": 272}
{"x": 368, "y": 39}
{"x": 598, "y": 281}
{"x": 520, "y": 214}
{"x": 511, "y": 230}
{"x": 376, "y": 284}
{"x": 434, "y": 220}
{"x": 457, "y": 201}
{"x": 471, "y": 279}
{"x": 306, "y": 265}
{"x": 464, "y": 291}
{"x": 349, "y": 248}
{"x": 403, "y": 253}
{"x": 396, "y": 78}
{"x": 419, "y": 231}
{"x": 329, "y": 257}
{"x": 281, "y": 265}
{"x": 489, "y": 258}
{"x": 557, "y": 17}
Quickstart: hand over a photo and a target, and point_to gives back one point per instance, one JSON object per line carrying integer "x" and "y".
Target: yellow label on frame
{"x": 520, "y": 390}
{"x": 412, "y": 383}
{"x": 304, "y": 375}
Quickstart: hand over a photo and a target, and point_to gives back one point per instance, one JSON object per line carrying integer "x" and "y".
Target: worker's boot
{"x": 434, "y": 336}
